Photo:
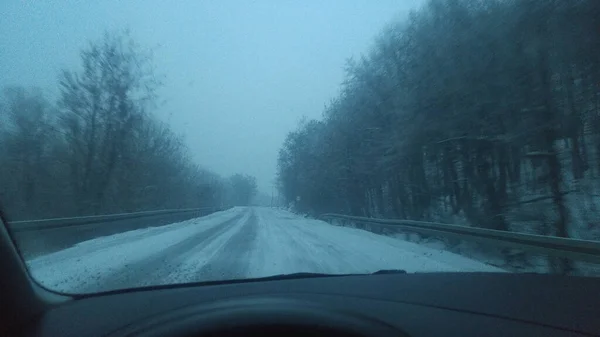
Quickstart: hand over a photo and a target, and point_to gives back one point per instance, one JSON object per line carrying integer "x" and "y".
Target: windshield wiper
{"x": 298, "y": 275}
{"x": 233, "y": 281}
{"x": 389, "y": 271}
{"x": 310, "y": 275}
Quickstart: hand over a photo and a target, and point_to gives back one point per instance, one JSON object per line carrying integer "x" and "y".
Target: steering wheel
{"x": 260, "y": 317}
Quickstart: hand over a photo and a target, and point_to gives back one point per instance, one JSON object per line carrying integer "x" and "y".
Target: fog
{"x": 238, "y": 75}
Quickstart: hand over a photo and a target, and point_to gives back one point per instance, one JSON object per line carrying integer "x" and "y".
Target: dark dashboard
{"x": 420, "y": 305}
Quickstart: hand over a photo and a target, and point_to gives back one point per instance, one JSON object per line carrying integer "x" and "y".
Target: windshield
{"x": 152, "y": 143}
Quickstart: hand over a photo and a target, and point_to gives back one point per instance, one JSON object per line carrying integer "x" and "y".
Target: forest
{"x": 476, "y": 112}
{"x": 98, "y": 148}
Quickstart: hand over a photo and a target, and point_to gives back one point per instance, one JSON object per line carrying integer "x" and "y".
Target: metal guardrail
{"x": 583, "y": 250}
{"x": 45, "y": 224}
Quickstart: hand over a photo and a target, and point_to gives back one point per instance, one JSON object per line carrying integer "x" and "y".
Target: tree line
{"x": 481, "y": 112}
{"x": 98, "y": 149}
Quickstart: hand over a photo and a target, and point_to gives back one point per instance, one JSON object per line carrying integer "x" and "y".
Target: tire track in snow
{"x": 232, "y": 261}
{"x": 159, "y": 265}
{"x": 296, "y": 253}
{"x": 348, "y": 250}
{"x": 317, "y": 253}
{"x": 336, "y": 252}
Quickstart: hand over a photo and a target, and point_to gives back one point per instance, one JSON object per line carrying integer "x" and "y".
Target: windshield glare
{"x": 157, "y": 143}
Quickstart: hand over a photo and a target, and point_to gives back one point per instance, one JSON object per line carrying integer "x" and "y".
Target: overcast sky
{"x": 239, "y": 75}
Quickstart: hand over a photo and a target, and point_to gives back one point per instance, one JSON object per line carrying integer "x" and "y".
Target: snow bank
{"x": 91, "y": 262}
{"x": 289, "y": 243}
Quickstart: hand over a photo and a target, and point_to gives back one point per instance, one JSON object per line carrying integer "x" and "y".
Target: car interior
{"x": 408, "y": 168}
{"x": 383, "y": 304}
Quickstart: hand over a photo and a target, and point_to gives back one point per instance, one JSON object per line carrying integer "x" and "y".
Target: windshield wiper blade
{"x": 301, "y": 275}
{"x": 298, "y": 275}
{"x": 310, "y": 275}
{"x": 233, "y": 281}
{"x": 389, "y": 271}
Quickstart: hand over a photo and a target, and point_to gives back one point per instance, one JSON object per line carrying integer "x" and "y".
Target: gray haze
{"x": 239, "y": 75}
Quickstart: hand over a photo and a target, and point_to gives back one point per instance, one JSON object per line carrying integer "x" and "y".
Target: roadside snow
{"x": 288, "y": 243}
{"x": 92, "y": 261}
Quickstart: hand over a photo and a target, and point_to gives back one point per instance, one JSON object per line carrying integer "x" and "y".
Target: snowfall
{"x": 242, "y": 242}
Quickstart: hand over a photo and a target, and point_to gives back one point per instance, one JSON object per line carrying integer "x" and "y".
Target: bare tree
{"x": 469, "y": 111}
{"x": 101, "y": 105}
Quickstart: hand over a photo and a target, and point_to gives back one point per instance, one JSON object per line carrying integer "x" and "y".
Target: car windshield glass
{"x": 150, "y": 143}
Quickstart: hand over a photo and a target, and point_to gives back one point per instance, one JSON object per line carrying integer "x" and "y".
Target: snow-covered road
{"x": 237, "y": 243}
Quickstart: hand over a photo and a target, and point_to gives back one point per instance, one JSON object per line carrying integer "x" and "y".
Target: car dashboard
{"x": 419, "y": 305}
